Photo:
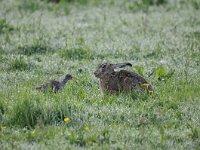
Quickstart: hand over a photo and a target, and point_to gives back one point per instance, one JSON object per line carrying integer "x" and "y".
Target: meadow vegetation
{"x": 46, "y": 39}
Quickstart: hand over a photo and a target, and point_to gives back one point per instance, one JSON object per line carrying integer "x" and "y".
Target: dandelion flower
{"x": 150, "y": 91}
{"x": 90, "y": 142}
{"x": 33, "y": 132}
{"x": 145, "y": 84}
{"x": 66, "y": 120}
{"x": 86, "y": 129}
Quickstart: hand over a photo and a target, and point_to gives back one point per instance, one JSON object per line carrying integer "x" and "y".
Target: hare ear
{"x": 122, "y": 65}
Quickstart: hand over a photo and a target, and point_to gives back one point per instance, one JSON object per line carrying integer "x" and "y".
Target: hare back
{"x": 132, "y": 81}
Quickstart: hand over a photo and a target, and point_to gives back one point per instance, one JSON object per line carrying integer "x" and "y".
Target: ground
{"x": 42, "y": 40}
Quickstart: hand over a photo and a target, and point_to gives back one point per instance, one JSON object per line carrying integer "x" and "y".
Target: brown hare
{"x": 54, "y": 85}
{"x": 115, "y": 82}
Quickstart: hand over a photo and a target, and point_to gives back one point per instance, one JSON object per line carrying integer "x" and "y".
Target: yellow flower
{"x": 90, "y": 142}
{"x": 145, "y": 84}
{"x": 33, "y": 132}
{"x": 67, "y": 120}
{"x": 150, "y": 91}
{"x": 86, "y": 129}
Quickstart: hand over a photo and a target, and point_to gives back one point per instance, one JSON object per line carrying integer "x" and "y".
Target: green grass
{"x": 42, "y": 40}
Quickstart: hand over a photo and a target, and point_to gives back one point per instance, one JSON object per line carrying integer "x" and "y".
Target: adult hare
{"x": 113, "y": 82}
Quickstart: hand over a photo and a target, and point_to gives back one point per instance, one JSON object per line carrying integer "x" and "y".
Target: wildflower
{"x": 86, "y": 129}
{"x": 150, "y": 91}
{"x": 145, "y": 84}
{"x": 33, "y": 132}
{"x": 66, "y": 120}
{"x": 90, "y": 142}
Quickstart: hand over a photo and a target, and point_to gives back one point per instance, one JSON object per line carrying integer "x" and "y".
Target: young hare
{"x": 54, "y": 85}
{"x": 115, "y": 82}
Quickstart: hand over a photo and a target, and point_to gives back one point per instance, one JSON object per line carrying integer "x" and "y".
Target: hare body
{"x": 123, "y": 80}
{"x": 54, "y": 85}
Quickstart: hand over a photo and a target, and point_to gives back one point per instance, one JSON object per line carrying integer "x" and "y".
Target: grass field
{"x": 42, "y": 40}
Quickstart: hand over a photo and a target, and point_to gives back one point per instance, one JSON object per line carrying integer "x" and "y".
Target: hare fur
{"x": 112, "y": 81}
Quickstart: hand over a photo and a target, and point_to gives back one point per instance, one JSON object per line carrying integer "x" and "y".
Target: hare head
{"x": 107, "y": 69}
